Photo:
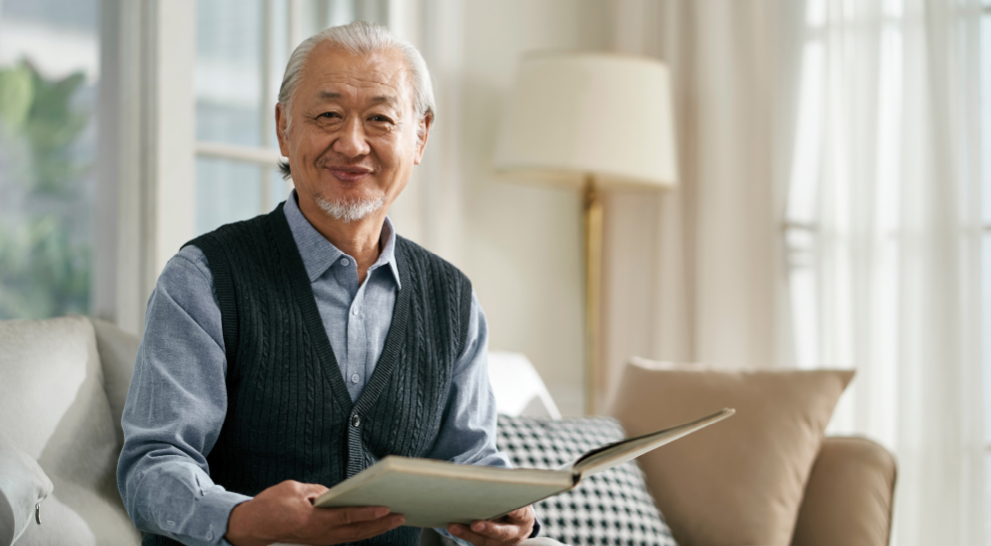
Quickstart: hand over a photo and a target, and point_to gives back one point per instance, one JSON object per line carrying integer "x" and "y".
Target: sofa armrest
{"x": 848, "y": 498}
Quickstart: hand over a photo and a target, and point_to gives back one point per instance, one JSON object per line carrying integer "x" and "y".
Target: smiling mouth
{"x": 348, "y": 173}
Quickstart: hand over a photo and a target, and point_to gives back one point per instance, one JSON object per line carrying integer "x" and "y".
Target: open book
{"x": 434, "y": 493}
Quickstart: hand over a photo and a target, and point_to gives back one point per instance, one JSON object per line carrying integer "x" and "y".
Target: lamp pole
{"x": 592, "y": 227}
{"x": 615, "y": 127}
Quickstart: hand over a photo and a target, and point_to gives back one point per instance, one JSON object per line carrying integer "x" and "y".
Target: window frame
{"x": 264, "y": 156}
{"x": 986, "y": 15}
{"x": 146, "y": 151}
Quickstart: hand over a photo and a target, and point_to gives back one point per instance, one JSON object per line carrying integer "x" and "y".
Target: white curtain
{"x": 829, "y": 215}
{"x": 885, "y": 229}
{"x": 694, "y": 275}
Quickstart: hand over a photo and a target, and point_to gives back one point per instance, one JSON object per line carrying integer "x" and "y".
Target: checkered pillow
{"x": 611, "y": 507}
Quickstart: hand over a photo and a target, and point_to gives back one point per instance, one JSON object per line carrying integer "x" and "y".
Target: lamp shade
{"x": 591, "y": 113}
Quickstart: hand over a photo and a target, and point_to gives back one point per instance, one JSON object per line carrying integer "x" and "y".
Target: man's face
{"x": 355, "y": 134}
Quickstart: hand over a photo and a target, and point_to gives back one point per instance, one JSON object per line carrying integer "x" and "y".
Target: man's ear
{"x": 281, "y": 121}
{"x": 422, "y": 132}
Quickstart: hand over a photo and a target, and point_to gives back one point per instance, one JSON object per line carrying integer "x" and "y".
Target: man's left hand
{"x": 510, "y": 529}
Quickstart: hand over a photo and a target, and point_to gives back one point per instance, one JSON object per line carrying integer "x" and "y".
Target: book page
{"x": 617, "y": 453}
{"x": 434, "y": 493}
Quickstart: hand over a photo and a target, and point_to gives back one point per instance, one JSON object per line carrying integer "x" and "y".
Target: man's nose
{"x": 351, "y": 141}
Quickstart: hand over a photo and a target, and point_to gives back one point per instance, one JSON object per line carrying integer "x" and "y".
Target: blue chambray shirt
{"x": 177, "y": 399}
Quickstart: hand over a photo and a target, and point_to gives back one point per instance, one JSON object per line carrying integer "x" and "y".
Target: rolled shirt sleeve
{"x": 175, "y": 408}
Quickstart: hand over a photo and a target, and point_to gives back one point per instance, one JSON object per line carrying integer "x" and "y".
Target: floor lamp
{"x": 600, "y": 120}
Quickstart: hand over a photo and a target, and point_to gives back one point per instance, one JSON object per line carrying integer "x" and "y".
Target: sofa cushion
{"x": 23, "y": 485}
{"x": 518, "y": 388}
{"x": 741, "y": 482}
{"x": 611, "y": 507}
{"x": 118, "y": 351}
{"x": 53, "y": 406}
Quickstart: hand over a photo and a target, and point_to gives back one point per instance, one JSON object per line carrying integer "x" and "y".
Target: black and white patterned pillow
{"x": 611, "y": 507}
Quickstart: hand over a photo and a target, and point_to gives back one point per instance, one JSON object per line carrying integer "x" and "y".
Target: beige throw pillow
{"x": 741, "y": 481}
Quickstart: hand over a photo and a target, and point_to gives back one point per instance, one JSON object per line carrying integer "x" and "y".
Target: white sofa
{"x": 63, "y": 383}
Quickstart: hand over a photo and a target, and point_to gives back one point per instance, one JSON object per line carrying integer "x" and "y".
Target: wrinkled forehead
{"x": 334, "y": 72}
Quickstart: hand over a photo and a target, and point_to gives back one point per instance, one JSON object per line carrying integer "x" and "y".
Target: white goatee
{"x": 350, "y": 210}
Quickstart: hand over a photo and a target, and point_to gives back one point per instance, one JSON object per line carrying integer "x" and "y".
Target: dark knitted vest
{"x": 289, "y": 414}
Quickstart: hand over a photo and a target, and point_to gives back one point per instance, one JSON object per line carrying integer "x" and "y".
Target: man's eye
{"x": 328, "y": 115}
{"x": 383, "y": 119}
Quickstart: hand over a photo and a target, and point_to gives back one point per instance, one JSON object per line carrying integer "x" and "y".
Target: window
{"x": 887, "y": 235}
{"x": 242, "y": 47}
{"x": 49, "y": 78}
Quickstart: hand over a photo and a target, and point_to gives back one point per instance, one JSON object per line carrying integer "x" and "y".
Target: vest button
{"x": 355, "y": 420}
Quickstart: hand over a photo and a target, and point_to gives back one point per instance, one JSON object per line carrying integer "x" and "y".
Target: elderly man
{"x": 287, "y": 353}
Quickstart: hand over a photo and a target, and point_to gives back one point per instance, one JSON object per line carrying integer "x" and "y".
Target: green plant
{"x": 42, "y": 273}
{"x": 41, "y": 111}
{"x": 45, "y": 265}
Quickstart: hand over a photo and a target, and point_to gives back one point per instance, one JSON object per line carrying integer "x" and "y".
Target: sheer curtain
{"x": 883, "y": 228}
{"x": 829, "y": 215}
{"x": 694, "y": 275}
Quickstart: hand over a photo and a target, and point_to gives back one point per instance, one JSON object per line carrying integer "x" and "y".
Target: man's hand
{"x": 285, "y": 513}
{"x": 510, "y": 529}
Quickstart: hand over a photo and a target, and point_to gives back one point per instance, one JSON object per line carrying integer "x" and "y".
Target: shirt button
{"x": 354, "y": 311}
{"x": 355, "y": 420}
{"x": 345, "y": 262}
{"x": 354, "y": 378}
{"x": 209, "y": 536}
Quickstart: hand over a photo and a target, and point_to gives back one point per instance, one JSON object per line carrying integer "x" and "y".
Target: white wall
{"x": 523, "y": 245}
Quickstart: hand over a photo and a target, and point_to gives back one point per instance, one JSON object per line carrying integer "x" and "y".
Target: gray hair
{"x": 358, "y": 38}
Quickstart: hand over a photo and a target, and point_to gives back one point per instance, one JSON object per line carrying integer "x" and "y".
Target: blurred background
{"x": 832, "y": 208}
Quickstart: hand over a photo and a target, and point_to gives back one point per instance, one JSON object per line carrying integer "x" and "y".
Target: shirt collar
{"x": 319, "y": 254}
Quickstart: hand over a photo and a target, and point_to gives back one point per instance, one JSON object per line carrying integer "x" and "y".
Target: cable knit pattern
{"x": 289, "y": 414}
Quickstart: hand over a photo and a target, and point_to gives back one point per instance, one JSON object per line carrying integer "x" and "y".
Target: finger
{"x": 337, "y": 517}
{"x": 368, "y": 529}
{"x": 311, "y": 490}
{"x": 492, "y": 532}
{"x": 464, "y": 532}
{"x": 520, "y": 515}
{"x": 497, "y": 530}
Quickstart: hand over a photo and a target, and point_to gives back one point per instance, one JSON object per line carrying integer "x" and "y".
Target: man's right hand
{"x": 285, "y": 513}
